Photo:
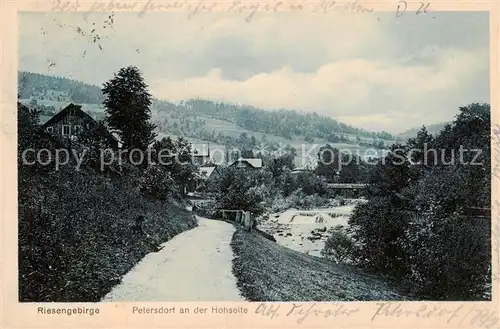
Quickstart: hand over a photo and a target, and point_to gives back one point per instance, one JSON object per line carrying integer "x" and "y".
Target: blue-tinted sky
{"x": 372, "y": 70}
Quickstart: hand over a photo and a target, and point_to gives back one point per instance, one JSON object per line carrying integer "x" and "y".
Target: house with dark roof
{"x": 249, "y": 163}
{"x": 205, "y": 177}
{"x": 71, "y": 120}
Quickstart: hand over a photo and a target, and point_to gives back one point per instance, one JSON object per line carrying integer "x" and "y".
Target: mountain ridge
{"x": 282, "y": 122}
{"x": 433, "y": 129}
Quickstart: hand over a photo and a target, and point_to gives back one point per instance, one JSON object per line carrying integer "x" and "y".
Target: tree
{"x": 127, "y": 103}
{"x": 378, "y": 228}
{"x": 328, "y": 162}
{"x": 247, "y": 153}
{"x": 391, "y": 174}
{"x": 156, "y": 182}
{"x": 421, "y": 144}
{"x": 237, "y": 189}
{"x": 253, "y": 141}
{"x": 286, "y": 182}
{"x": 27, "y": 126}
{"x": 175, "y": 157}
{"x": 339, "y": 246}
{"x": 442, "y": 235}
{"x": 97, "y": 144}
{"x": 278, "y": 164}
{"x": 419, "y": 224}
{"x": 333, "y": 138}
{"x": 311, "y": 184}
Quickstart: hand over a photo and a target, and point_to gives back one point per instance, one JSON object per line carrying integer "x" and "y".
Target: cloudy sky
{"x": 372, "y": 71}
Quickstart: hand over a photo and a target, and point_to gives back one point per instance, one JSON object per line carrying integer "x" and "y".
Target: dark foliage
{"x": 420, "y": 225}
{"x": 237, "y": 190}
{"x": 75, "y": 227}
{"x": 127, "y": 103}
{"x": 76, "y": 237}
{"x": 340, "y": 167}
{"x": 339, "y": 246}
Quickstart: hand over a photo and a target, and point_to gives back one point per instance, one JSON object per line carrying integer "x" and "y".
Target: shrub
{"x": 75, "y": 238}
{"x": 286, "y": 182}
{"x": 378, "y": 227}
{"x": 311, "y": 184}
{"x": 300, "y": 200}
{"x": 448, "y": 258}
{"x": 449, "y": 251}
{"x": 156, "y": 182}
{"x": 240, "y": 190}
{"x": 339, "y": 246}
{"x": 207, "y": 209}
{"x": 419, "y": 225}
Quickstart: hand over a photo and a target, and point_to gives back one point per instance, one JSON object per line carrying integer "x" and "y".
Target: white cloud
{"x": 343, "y": 88}
{"x": 367, "y": 70}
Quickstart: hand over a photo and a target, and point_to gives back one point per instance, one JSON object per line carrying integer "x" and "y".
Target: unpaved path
{"x": 193, "y": 266}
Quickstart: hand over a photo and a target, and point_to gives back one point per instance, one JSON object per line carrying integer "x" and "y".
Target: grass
{"x": 75, "y": 234}
{"x": 266, "y": 271}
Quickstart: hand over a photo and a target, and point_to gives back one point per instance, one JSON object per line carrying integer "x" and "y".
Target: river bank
{"x": 307, "y": 230}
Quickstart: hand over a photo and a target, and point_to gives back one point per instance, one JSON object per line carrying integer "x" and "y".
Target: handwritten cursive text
{"x": 471, "y": 314}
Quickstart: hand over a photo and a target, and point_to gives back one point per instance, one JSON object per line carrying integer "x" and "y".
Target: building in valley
{"x": 71, "y": 120}
{"x": 247, "y": 163}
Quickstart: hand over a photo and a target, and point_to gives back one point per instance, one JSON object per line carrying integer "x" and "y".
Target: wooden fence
{"x": 240, "y": 217}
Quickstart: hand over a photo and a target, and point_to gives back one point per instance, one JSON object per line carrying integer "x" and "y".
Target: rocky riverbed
{"x": 305, "y": 230}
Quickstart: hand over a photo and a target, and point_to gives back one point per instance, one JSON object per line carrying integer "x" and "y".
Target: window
{"x": 77, "y": 129}
{"x": 66, "y": 130}
{"x": 50, "y": 129}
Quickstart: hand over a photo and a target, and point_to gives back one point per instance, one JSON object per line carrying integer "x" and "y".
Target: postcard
{"x": 211, "y": 164}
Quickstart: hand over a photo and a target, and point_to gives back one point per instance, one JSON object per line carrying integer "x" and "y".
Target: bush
{"x": 207, "y": 209}
{"x": 240, "y": 190}
{"x": 156, "y": 182}
{"x": 378, "y": 228}
{"x": 300, "y": 200}
{"x": 286, "y": 182}
{"x": 448, "y": 259}
{"x": 339, "y": 246}
{"x": 75, "y": 236}
{"x": 311, "y": 184}
{"x": 419, "y": 224}
{"x": 449, "y": 252}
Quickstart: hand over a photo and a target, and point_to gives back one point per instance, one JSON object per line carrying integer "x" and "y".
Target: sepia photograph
{"x": 254, "y": 156}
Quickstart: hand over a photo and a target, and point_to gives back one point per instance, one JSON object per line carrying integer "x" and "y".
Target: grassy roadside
{"x": 266, "y": 271}
{"x": 75, "y": 234}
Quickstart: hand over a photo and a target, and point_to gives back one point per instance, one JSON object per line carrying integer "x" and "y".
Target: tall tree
{"x": 127, "y": 103}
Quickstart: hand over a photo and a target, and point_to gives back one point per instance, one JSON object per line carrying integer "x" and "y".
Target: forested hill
{"x": 281, "y": 122}
{"x": 433, "y": 129}
{"x": 40, "y": 86}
